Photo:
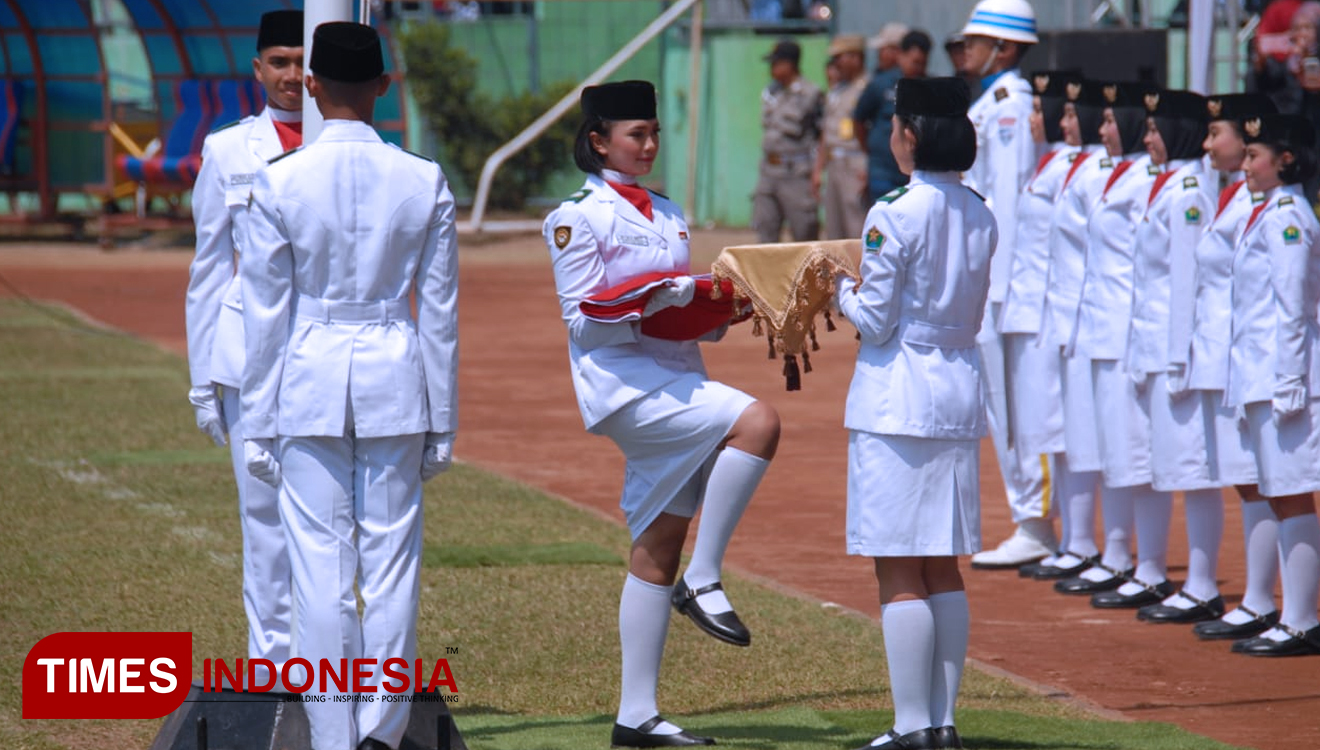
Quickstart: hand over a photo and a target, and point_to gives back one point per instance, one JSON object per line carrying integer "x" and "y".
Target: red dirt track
{"x": 519, "y": 418}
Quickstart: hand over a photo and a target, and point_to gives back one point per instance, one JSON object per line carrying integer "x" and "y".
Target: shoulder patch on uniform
{"x": 1073, "y": 156}
{"x": 659, "y": 195}
{"x": 228, "y": 125}
{"x": 1193, "y": 215}
{"x": 1286, "y": 200}
{"x": 893, "y": 195}
{"x": 1292, "y": 235}
{"x": 1001, "y": 94}
{"x": 286, "y": 153}
{"x": 413, "y": 153}
{"x": 1189, "y": 182}
{"x": 874, "y": 240}
{"x": 1151, "y": 169}
{"x": 973, "y": 190}
{"x": 563, "y": 235}
{"x": 1106, "y": 163}
{"x": 579, "y": 195}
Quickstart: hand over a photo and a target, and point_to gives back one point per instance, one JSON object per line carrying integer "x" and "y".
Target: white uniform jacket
{"x": 1166, "y": 239}
{"x": 340, "y": 232}
{"x": 1206, "y": 350}
{"x": 1005, "y": 158}
{"x": 1080, "y": 194}
{"x": 231, "y": 157}
{"x": 1025, "y": 302}
{"x": 925, "y": 278}
{"x": 598, "y": 240}
{"x": 1192, "y": 211}
{"x": 1276, "y": 289}
{"x": 1105, "y": 306}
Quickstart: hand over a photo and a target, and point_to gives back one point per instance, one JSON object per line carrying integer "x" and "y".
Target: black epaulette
{"x": 579, "y": 195}
{"x": 978, "y": 195}
{"x": 1286, "y": 200}
{"x": 286, "y": 153}
{"x": 893, "y": 195}
{"x": 414, "y": 153}
{"x": 1189, "y": 182}
{"x": 652, "y": 192}
{"x": 228, "y": 125}
{"x": 1001, "y": 94}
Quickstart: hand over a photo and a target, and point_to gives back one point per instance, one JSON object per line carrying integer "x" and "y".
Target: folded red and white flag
{"x": 626, "y": 302}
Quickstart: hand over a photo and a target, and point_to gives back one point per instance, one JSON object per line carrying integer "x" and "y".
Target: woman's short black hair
{"x": 586, "y": 158}
{"x": 944, "y": 144}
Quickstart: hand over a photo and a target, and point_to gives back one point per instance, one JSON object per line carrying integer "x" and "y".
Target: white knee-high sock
{"x": 1153, "y": 511}
{"x": 1118, "y": 512}
{"x": 909, "y": 630}
{"x": 643, "y": 627}
{"x": 733, "y": 479}
{"x": 1299, "y": 537}
{"x": 952, "y": 626}
{"x": 1205, "y": 530}
{"x": 1261, "y": 530}
{"x": 1077, "y": 494}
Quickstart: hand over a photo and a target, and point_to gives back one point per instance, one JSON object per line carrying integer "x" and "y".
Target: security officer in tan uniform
{"x": 840, "y": 155}
{"x": 790, "y": 118}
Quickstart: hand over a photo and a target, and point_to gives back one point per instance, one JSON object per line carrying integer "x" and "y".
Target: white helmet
{"x": 1011, "y": 20}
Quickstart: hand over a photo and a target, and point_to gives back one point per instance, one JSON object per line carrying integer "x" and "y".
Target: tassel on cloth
{"x": 771, "y": 339}
{"x": 806, "y": 363}
{"x": 757, "y": 330}
{"x": 792, "y": 377}
{"x": 815, "y": 347}
{"x": 829, "y": 322}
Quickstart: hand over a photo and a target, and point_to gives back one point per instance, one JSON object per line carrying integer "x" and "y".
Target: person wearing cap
{"x": 689, "y": 441}
{"x": 956, "y": 49}
{"x": 915, "y": 413}
{"x": 231, "y": 156}
{"x": 874, "y": 114}
{"x": 1273, "y": 367}
{"x": 347, "y": 397}
{"x": 886, "y": 45}
{"x": 791, "y": 108}
{"x": 1075, "y": 472}
{"x": 1100, "y": 336}
{"x": 1199, "y": 342}
{"x": 840, "y": 156}
{"x": 997, "y": 34}
{"x": 1180, "y": 201}
{"x": 1036, "y": 401}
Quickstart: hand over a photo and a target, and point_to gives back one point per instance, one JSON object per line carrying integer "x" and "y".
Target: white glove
{"x": 1243, "y": 423}
{"x": 1139, "y": 381}
{"x": 677, "y": 293}
{"x": 843, "y": 284}
{"x": 206, "y": 408}
{"x": 259, "y": 454}
{"x": 1177, "y": 383}
{"x": 1289, "y": 396}
{"x": 438, "y": 454}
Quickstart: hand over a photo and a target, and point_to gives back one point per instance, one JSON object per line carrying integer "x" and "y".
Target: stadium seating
{"x": 237, "y": 98}
{"x": 181, "y": 157}
{"x": 11, "y": 109}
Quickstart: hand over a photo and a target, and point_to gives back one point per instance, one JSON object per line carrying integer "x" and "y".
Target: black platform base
{"x": 228, "y": 720}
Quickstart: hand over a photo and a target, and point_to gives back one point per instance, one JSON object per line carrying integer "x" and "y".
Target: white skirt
{"x": 1178, "y": 450}
{"x": 912, "y": 497}
{"x": 669, "y": 438}
{"x": 1232, "y": 460}
{"x": 1124, "y": 425}
{"x": 1288, "y": 453}
{"x": 1035, "y": 397}
{"x": 1081, "y": 431}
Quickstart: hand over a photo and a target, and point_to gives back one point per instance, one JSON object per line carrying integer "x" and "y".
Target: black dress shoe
{"x": 1218, "y": 630}
{"x": 1079, "y": 585}
{"x": 922, "y": 739}
{"x": 946, "y": 738}
{"x": 725, "y": 626}
{"x": 1149, "y": 594}
{"x": 1200, "y": 611}
{"x": 1297, "y": 643}
{"x": 1029, "y": 569}
{"x": 1055, "y": 572}
{"x": 371, "y": 743}
{"x": 641, "y": 736}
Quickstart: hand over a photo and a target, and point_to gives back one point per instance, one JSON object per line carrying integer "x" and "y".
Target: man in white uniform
{"x": 344, "y": 395}
{"x": 997, "y": 35}
{"x": 230, "y": 157}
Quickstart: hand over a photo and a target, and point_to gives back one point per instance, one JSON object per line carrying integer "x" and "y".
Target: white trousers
{"x": 267, "y": 583}
{"x": 353, "y": 507}
{"x": 1024, "y": 476}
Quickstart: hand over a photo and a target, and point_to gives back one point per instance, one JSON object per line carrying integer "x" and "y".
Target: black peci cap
{"x": 785, "y": 50}
{"x": 932, "y": 97}
{"x": 1239, "y": 106}
{"x": 280, "y": 28}
{"x": 347, "y": 52}
{"x": 1289, "y": 131}
{"x": 625, "y": 100}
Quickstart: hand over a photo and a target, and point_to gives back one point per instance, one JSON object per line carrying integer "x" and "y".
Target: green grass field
{"x": 120, "y": 516}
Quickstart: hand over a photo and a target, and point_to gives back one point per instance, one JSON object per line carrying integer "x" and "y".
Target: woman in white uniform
{"x": 1274, "y": 368}
{"x": 689, "y": 441}
{"x": 915, "y": 412}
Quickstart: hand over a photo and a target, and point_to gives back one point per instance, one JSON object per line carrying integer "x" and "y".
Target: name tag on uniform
{"x": 632, "y": 239}
{"x": 242, "y": 179}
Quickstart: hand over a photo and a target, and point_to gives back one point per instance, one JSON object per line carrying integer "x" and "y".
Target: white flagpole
{"x": 315, "y": 13}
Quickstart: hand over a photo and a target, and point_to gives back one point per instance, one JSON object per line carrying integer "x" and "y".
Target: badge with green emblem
{"x": 874, "y": 240}
{"x": 1292, "y": 235}
{"x": 1193, "y": 215}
